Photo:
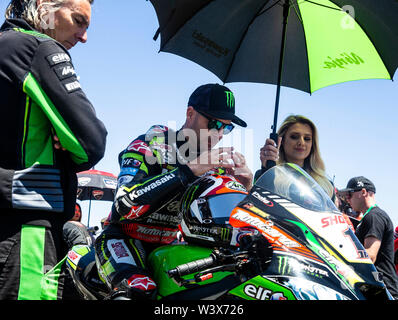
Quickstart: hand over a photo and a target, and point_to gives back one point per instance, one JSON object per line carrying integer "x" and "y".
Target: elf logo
{"x": 260, "y": 293}
{"x": 343, "y": 61}
{"x": 57, "y": 58}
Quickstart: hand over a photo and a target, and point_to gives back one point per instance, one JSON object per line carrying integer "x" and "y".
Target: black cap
{"x": 358, "y": 183}
{"x": 215, "y": 101}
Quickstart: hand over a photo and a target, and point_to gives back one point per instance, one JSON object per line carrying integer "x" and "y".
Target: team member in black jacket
{"x": 155, "y": 170}
{"x": 49, "y": 132}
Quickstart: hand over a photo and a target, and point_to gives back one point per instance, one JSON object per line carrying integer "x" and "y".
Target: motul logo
{"x": 156, "y": 232}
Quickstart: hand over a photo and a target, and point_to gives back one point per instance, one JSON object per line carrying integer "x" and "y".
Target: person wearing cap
{"x": 155, "y": 170}
{"x": 375, "y": 230}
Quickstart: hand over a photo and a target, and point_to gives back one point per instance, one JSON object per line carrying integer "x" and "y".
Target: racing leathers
{"x": 41, "y": 98}
{"x": 153, "y": 176}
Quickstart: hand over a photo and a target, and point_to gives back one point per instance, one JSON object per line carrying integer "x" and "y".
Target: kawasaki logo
{"x": 343, "y": 61}
{"x": 151, "y": 186}
{"x": 230, "y": 99}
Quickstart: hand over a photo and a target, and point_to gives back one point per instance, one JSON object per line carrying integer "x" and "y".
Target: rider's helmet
{"x": 206, "y": 206}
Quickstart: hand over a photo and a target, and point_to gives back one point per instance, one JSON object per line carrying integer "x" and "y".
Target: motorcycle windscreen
{"x": 311, "y": 209}
{"x": 312, "y": 206}
{"x": 293, "y": 183}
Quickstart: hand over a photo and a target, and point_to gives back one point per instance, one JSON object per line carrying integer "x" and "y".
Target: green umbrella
{"x": 306, "y": 45}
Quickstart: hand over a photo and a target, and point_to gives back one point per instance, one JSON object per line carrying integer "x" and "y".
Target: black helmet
{"x": 206, "y": 206}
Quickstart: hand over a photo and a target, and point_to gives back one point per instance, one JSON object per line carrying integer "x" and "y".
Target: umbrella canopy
{"x": 96, "y": 185}
{"x": 325, "y": 41}
{"x": 301, "y": 44}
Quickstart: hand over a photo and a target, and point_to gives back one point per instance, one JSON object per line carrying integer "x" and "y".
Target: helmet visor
{"x": 222, "y": 205}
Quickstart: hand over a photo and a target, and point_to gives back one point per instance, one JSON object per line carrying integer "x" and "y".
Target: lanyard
{"x": 367, "y": 211}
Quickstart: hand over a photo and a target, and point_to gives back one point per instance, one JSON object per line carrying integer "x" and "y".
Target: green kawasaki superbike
{"x": 283, "y": 240}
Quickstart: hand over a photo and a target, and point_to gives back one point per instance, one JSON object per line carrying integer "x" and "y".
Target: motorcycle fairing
{"x": 311, "y": 222}
{"x": 261, "y": 288}
{"x": 168, "y": 257}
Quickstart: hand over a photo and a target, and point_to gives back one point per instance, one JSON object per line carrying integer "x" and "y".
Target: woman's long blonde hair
{"x": 313, "y": 164}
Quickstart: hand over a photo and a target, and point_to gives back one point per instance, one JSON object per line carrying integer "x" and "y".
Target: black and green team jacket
{"x": 40, "y": 96}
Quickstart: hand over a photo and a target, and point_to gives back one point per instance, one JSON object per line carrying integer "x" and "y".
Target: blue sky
{"x": 133, "y": 86}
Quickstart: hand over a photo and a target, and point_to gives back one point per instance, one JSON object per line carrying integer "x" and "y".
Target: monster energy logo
{"x": 230, "y": 99}
{"x": 287, "y": 265}
{"x": 344, "y": 60}
{"x": 225, "y": 234}
{"x": 284, "y": 265}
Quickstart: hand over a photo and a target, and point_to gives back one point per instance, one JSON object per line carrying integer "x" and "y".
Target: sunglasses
{"x": 217, "y": 124}
{"x": 350, "y": 193}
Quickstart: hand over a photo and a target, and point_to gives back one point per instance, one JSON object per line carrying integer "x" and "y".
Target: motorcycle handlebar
{"x": 191, "y": 267}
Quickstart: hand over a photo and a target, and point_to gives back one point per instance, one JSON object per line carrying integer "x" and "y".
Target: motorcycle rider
{"x": 155, "y": 170}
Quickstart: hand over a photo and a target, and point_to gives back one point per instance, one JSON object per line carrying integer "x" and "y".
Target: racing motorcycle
{"x": 283, "y": 240}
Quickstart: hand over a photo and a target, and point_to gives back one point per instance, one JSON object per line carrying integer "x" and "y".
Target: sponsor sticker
{"x": 140, "y": 146}
{"x": 64, "y": 71}
{"x": 234, "y": 185}
{"x": 58, "y": 58}
{"x": 262, "y": 199}
{"x": 152, "y": 233}
{"x": 98, "y": 194}
{"x": 124, "y": 180}
{"x": 72, "y": 86}
{"x": 128, "y": 171}
{"x": 131, "y": 162}
{"x": 119, "y": 252}
{"x": 261, "y": 293}
{"x": 109, "y": 183}
{"x": 141, "y": 282}
{"x": 83, "y": 181}
{"x": 150, "y": 186}
{"x": 137, "y": 211}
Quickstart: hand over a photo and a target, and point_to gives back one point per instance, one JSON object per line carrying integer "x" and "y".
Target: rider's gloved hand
{"x": 258, "y": 244}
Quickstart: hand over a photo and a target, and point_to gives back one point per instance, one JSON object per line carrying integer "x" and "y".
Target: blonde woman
{"x": 297, "y": 143}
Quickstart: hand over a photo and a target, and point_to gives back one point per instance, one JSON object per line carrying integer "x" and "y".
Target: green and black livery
{"x": 41, "y": 97}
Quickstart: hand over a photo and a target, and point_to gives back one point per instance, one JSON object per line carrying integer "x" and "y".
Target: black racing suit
{"x": 40, "y": 97}
{"x": 153, "y": 176}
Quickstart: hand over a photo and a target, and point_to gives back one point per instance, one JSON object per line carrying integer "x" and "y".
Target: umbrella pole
{"x": 274, "y": 135}
{"x": 89, "y": 210}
